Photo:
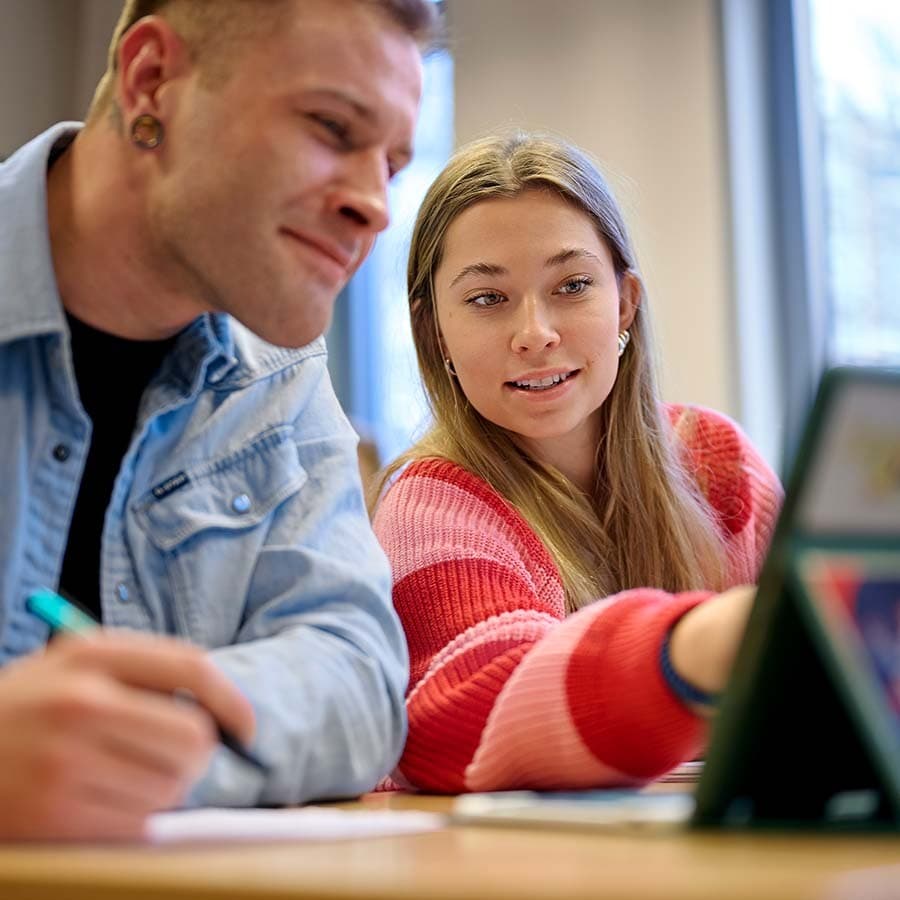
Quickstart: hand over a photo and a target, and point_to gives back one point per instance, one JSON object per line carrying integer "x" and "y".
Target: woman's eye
{"x": 485, "y": 300}
{"x": 575, "y": 286}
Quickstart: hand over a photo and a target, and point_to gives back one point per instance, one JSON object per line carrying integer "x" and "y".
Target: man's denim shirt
{"x": 236, "y": 522}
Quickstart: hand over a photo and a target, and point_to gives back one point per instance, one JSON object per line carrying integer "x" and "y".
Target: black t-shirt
{"x": 112, "y": 374}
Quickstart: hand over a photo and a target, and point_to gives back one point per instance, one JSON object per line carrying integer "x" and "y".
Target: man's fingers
{"x": 124, "y": 782}
{"x": 87, "y": 817}
{"x": 73, "y": 789}
{"x": 153, "y": 732}
{"x": 166, "y": 666}
{"x": 147, "y": 728}
{"x": 121, "y": 783}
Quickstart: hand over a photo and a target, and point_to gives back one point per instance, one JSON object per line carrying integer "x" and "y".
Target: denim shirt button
{"x": 61, "y": 452}
{"x": 241, "y": 503}
{"x": 122, "y": 592}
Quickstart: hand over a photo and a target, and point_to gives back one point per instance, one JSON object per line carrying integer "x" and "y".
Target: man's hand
{"x": 92, "y": 739}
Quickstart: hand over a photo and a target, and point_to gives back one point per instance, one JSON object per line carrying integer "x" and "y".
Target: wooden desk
{"x": 465, "y": 863}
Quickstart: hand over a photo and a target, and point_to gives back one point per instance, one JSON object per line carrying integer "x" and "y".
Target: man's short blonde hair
{"x": 213, "y": 28}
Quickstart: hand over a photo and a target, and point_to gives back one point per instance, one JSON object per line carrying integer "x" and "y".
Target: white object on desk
{"x": 592, "y": 809}
{"x": 310, "y": 823}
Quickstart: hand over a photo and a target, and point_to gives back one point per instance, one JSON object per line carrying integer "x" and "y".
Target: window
{"x": 813, "y": 100}
{"x": 855, "y": 54}
{"x": 371, "y": 354}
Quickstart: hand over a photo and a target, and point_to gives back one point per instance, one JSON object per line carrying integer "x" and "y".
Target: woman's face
{"x": 529, "y": 308}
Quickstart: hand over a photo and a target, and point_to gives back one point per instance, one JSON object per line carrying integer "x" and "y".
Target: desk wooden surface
{"x": 464, "y": 863}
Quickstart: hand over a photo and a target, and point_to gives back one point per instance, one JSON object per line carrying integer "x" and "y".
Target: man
{"x": 171, "y": 460}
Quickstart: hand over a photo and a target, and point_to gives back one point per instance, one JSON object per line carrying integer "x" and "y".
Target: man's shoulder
{"x": 29, "y": 162}
{"x": 27, "y": 281}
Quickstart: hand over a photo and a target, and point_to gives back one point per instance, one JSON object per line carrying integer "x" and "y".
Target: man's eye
{"x": 336, "y": 128}
{"x": 483, "y": 301}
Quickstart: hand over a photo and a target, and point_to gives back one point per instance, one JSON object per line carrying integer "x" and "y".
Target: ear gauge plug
{"x": 147, "y": 132}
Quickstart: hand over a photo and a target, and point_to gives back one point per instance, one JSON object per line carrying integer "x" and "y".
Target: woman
{"x": 562, "y": 543}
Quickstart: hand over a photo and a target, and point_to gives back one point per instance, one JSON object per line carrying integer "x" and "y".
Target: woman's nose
{"x": 534, "y": 329}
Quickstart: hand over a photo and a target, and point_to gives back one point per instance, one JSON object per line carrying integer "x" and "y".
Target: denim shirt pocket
{"x": 208, "y": 521}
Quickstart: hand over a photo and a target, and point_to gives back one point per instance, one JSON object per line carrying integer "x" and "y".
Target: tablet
{"x": 808, "y": 732}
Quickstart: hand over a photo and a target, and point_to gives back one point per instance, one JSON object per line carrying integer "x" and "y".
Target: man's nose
{"x": 362, "y": 195}
{"x": 534, "y": 328}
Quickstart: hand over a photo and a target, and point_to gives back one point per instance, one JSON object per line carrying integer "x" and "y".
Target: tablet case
{"x": 804, "y": 735}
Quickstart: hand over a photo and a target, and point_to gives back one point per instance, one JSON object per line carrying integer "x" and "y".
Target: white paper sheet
{"x": 309, "y": 823}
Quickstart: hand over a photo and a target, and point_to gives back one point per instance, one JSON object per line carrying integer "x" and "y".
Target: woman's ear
{"x": 415, "y": 307}
{"x": 631, "y": 290}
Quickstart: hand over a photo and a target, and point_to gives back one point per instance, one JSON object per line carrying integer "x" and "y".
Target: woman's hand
{"x": 705, "y": 640}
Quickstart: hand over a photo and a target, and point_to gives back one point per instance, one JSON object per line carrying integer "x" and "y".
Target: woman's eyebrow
{"x": 569, "y": 254}
{"x": 494, "y": 269}
{"x": 480, "y": 268}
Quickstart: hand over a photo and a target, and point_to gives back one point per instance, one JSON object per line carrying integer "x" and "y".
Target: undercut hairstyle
{"x": 214, "y": 29}
{"x": 599, "y": 540}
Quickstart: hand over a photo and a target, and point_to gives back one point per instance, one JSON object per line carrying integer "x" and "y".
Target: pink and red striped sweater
{"x": 508, "y": 692}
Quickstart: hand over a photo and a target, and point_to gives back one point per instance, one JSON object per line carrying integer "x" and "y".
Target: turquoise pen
{"x": 58, "y": 613}
{"x": 62, "y": 615}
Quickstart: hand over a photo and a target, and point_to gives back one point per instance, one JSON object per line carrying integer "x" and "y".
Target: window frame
{"x": 778, "y": 241}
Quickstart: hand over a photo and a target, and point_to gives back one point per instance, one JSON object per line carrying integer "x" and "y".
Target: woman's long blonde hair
{"x": 645, "y": 523}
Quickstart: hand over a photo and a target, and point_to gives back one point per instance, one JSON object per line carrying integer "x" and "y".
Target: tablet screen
{"x": 852, "y": 485}
{"x": 856, "y": 595}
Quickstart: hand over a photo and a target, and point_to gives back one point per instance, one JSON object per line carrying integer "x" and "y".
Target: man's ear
{"x": 151, "y": 55}
{"x": 631, "y": 290}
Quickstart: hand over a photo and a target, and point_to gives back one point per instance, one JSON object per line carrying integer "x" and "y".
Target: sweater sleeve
{"x": 506, "y": 691}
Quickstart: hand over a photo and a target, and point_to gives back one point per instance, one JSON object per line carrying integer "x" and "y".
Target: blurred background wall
{"x": 51, "y": 55}
{"x": 639, "y": 84}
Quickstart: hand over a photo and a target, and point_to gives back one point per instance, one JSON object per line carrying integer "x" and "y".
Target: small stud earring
{"x": 624, "y": 338}
{"x": 448, "y": 365}
{"x": 147, "y": 132}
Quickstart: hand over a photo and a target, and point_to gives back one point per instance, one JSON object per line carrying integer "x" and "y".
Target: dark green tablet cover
{"x": 808, "y": 733}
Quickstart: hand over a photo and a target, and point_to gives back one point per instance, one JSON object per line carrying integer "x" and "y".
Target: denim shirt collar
{"x": 205, "y": 355}
{"x": 31, "y": 304}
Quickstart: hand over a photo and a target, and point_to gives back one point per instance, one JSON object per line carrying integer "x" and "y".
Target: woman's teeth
{"x": 541, "y": 384}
